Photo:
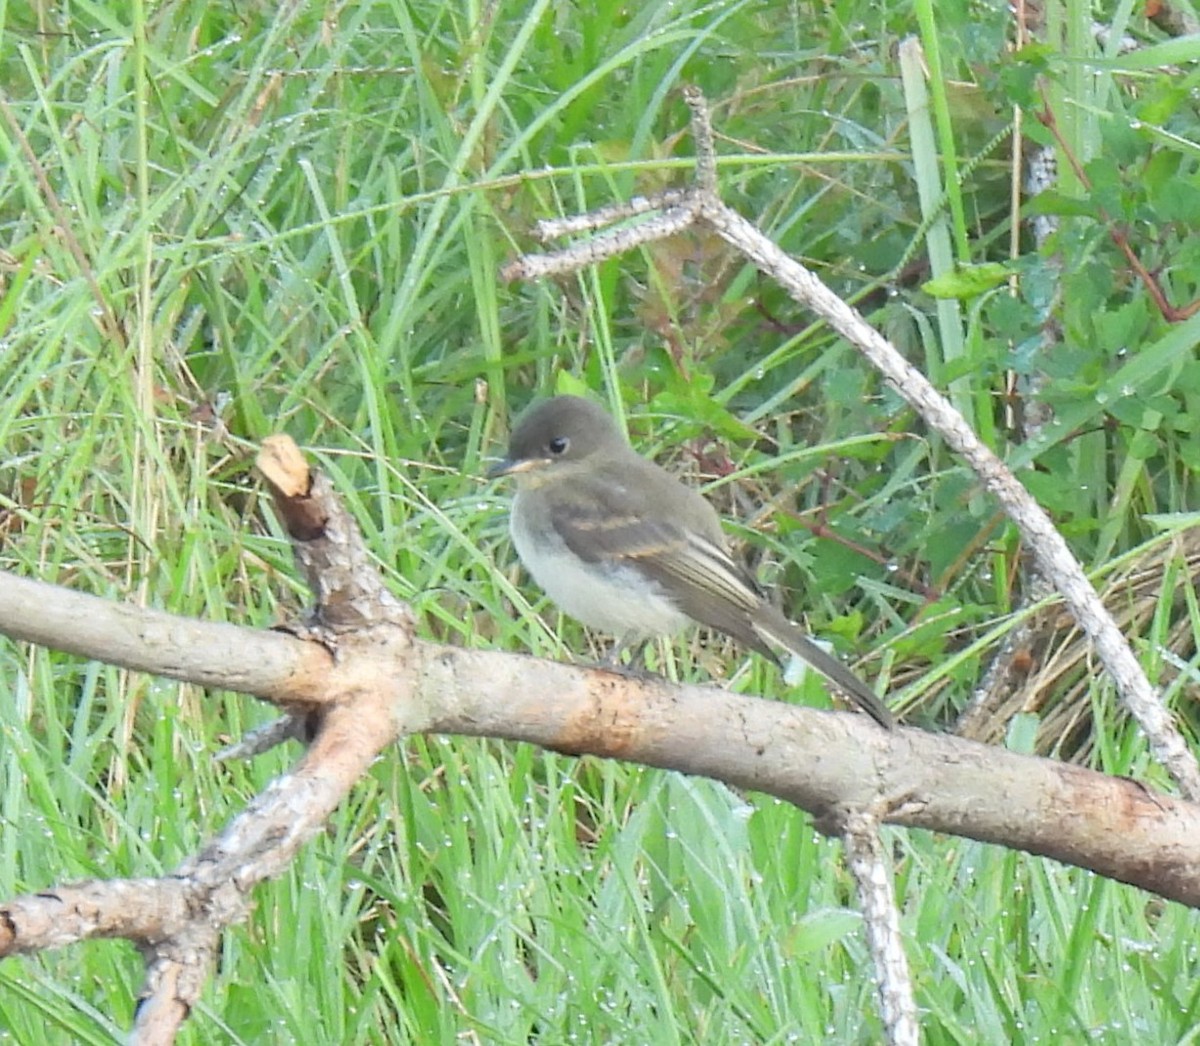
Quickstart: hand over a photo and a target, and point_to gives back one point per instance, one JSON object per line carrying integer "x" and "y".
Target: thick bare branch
{"x": 825, "y": 762}
{"x": 136, "y": 909}
{"x": 271, "y": 665}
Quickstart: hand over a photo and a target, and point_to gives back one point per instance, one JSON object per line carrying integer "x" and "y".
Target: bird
{"x": 623, "y": 546}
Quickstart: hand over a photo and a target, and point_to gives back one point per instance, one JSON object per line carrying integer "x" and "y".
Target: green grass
{"x": 295, "y": 215}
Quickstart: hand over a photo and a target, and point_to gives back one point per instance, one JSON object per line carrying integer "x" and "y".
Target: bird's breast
{"x": 612, "y": 596}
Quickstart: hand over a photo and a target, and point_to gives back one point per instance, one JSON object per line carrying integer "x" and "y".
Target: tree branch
{"x": 824, "y": 762}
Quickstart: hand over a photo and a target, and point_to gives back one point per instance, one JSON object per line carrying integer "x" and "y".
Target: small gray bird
{"x": 623, "y": 546}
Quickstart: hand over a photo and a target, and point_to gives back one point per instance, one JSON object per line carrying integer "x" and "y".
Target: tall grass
{"x": 221, "y": 221}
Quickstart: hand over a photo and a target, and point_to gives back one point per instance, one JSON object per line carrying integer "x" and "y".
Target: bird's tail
{"x": 774, "y": 626}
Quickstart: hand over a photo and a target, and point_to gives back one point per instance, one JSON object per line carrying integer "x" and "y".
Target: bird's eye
{"x": 558, "y": 445}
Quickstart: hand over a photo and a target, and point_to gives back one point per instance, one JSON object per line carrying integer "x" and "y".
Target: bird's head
{"x": 556, "y": 436}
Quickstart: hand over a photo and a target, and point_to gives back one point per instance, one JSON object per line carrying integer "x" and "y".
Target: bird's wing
{"x": 693, "y": 569}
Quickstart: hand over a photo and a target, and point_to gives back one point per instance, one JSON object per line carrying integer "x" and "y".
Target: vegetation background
{"x": 219, "y": 221}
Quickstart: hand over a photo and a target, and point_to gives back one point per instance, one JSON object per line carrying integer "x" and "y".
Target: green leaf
{"x": 968, "y": 281}
{"x": 1144, "y": 445}
{"x": 1179, "y": 201}
{"x": 1051, "y": 201}
{"x": 566, "y": 384}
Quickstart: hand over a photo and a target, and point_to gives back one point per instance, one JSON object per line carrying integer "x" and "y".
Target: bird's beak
{"x": 509, "y": 467}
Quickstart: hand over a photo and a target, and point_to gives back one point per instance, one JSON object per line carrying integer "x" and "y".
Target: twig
{"x": 552, "y": 228}
{"x": 868, "y": 865}
{"x": 602, "y": 246}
